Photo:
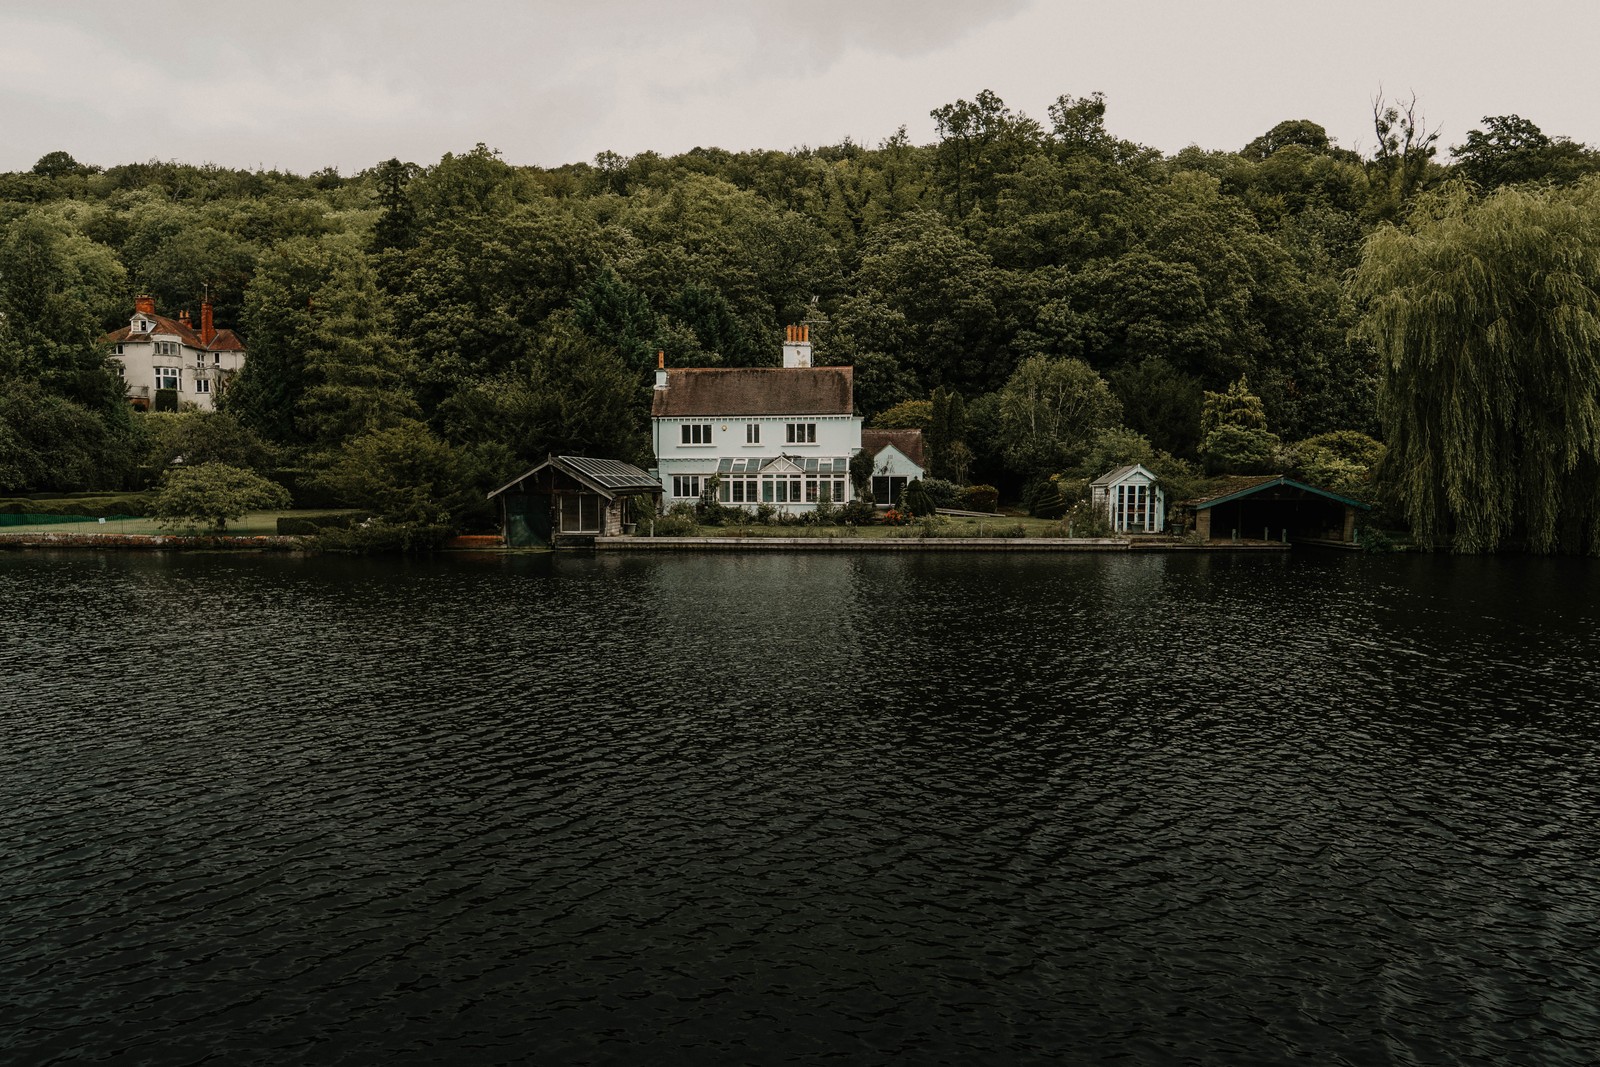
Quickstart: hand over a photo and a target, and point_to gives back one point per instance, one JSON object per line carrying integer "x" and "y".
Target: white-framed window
{"x": 216, "y": 359}
{"x": 202, "y": 385}
{"x": 686, "y": 485}
{"x": 695, "y": 433}
{"x": 122, "y": 371}
{"x": 166, "y": 348}
{"x": 752, "y": 434}
{"x": 784, "y": 489}
{"x": 739, "y": 490}
{"x": 119, "y": 350}
{"x": 800, "y": 433}
{"x": 167, "y": 378}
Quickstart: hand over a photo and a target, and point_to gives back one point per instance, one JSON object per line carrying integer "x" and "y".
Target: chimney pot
{"x": 144, "y": 304}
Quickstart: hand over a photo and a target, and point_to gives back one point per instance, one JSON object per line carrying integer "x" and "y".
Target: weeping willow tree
{"x": 1486, "y": 317}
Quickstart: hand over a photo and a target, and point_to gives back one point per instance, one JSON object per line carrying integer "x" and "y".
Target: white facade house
{"x": 1130, "y": 498}
{"x": 773, "y": 435}
{"x": 154, "y": 353}
{"x": 898, "y": 459}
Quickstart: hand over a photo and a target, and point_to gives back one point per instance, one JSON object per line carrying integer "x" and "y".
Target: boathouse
{"x": 571, "y": 499}
{"x": 1273, "y": 508}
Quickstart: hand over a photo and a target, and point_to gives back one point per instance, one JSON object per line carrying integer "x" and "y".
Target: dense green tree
{"x": 1510, "y": 149}
{"x": 60, "y": 165}
{"x": 1160, "y": 403}
{"x": 1234, "y": 438}
{"x": 397, "y": 220}
{"x": 280, "y": 320}
{"x": 946, "y": 436}
{"x": 980, "y": 140}
{"x": 1302, "y": 133}
{"x": 1486, "y": 315}
{"x": 58, "y": 290}
{"x": 47, "y": 442}
{"x": 355, "y": 372}
{"x": 620, "y": 317}
{"x": 404, "y": 474}
{"x": 1050, "y": 410}
{"x": 906, "y": 415}
{"x": 191, "y": 438}
{"x": 213, "y": 494}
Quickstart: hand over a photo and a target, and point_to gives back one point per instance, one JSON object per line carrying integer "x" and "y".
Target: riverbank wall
{"x": 924, "y": 544}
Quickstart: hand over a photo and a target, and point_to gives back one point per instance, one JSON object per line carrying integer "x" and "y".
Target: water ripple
{"x": 765, "y": 808}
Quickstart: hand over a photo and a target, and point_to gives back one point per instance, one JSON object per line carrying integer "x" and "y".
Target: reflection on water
{"x": 750, "y": 808}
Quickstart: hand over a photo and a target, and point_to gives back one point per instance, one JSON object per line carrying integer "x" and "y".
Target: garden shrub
{"x": 1086, "y": 520}
{"x": 980, "y": 498}
{"x": 310, "y": 525}
{"x": 86, "y": 505}
{"x": 377, "y": 537}
{"x": 943, "y": 494}
{"x": 915, "y": 500}
{"x": 1045, "y": 498}
{"x": 858, "y": 512}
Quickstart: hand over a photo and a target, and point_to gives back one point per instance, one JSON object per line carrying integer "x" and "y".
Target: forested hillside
{"x": 421, "y": 332}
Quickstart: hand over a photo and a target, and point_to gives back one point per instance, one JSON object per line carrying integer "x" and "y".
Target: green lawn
{"x": 253, "y": 524}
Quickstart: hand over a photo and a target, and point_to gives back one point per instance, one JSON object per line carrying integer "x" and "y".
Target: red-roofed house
{"x": 773, "y": 435}
{"x": 154, "y": 353}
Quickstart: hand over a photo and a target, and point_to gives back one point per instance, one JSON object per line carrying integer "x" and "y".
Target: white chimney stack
{"x": 797, "y": 346}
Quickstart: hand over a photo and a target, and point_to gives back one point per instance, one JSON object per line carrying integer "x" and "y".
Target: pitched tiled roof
{"x": 608, "y": 477}
{"x": 226, "y": 341}
{"x": 909, "y": 442}
{"x": 755, "y": 391}
{"x": 1276, "y": 486}
{"x": 222, "y": 341}
{"x": 1112, "y": 477}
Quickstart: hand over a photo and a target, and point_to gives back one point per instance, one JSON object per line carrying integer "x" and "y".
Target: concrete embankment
{"x": 147, "y": 542}
{"x": 924, "y": 544}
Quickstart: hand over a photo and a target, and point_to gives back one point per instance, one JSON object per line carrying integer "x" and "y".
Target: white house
{"x": 153, "y": 353}
{"x": 898, "y": 458}
{"x": 1130, "y": 499}
{"x": 774, "y": 435}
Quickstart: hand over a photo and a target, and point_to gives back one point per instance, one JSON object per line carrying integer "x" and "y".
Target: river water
{"x": 1324, "y": 808}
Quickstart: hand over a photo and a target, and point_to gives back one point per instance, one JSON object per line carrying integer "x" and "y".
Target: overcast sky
{"x": 304, "y": 84}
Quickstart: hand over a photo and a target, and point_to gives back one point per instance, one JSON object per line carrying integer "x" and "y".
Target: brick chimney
{"x": 144, "y": 304}
{"x": 797, "y": 346}
{"x": 208, "y": 328}
{"x": 661, "y": 370}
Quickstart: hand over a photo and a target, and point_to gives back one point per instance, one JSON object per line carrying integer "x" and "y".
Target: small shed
{"x": 1130, "y": 499}
{"x": 898, "y": 458}
{"x": 571, "y": 498}
{"x": 1275, "y": 508}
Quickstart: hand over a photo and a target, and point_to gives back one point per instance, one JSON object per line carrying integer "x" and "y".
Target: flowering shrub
{"x": 893, "y": 517}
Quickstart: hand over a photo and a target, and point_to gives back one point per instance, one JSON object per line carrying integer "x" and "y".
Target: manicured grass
{"x": 254, "y": 524}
